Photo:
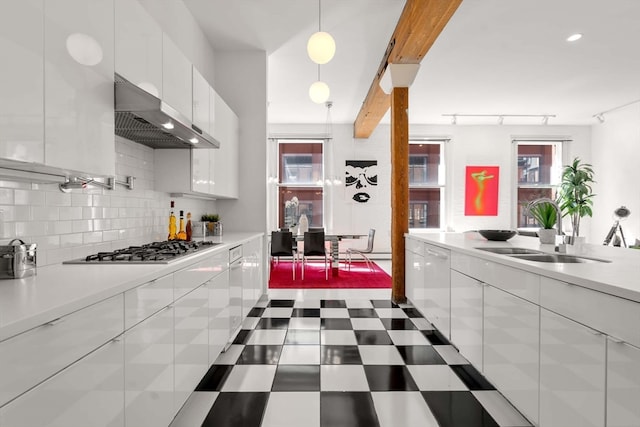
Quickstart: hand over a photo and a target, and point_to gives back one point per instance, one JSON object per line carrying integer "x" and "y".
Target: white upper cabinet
{"x": 225, "y": 162}
{"x": 138, "y": 43}
{"x": 78, "y": 85}
{"x": 201, "y": 117}
{"x": 176, "y": 79}
{"x": 22, "y": 85}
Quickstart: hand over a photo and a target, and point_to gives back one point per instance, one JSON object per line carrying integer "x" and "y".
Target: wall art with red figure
{"x": 481, "y": 190}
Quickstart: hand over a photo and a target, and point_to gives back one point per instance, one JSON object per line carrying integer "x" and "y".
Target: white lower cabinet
{"x": 219, "y": 322}
{"x": 414, "y": 274}
{"x": 149, "y": 371}
{"x": 89, "y": 393}
{"x": 623, "y": 384}
{"x": 191, "y": 351}
{"x": 235, "y": 296}
{"x": 437, "y": 288}
{"x": 466, "y": 316}
{"x": 572, "y": 373}
{"x": 512, "y": 348}
{"x": 251, "y": 274}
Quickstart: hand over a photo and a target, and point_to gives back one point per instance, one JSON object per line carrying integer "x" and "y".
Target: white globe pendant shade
{"x": 321, "y": 47}
{"x": 319, "y": 92}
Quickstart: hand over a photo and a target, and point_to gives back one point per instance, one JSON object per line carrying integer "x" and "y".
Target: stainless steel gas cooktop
{"x": 150, "y": 253}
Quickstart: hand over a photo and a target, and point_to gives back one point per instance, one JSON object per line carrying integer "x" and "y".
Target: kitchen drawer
{"x": 614, "y": 316}
{"x": 515, "y": 281}
{"x": 414, "y": 246}
{"x": 33, "y": 356}
{"x": 196, "y": 274}
{"x": 143, "y": 301}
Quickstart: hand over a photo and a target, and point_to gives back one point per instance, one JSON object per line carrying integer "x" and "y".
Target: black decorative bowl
{"x": 498, "y": 235}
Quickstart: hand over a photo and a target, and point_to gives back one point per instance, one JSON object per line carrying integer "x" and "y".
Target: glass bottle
{"x": 182, "y": 235}
{"x": 172, "y": 224}
{"x": 189, "y": 231}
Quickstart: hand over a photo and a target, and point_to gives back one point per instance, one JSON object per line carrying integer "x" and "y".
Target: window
{"x": 426, "y": 184}
{"x": 300, "y": 177}
{"x": 539, "y": 165}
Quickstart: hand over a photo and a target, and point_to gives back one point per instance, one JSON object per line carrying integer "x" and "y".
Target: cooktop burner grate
{"x": 151, "y": 253}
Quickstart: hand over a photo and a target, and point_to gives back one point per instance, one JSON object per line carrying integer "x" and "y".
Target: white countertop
{"x": 60, "y": 289}
{"x": 619, "y": 277}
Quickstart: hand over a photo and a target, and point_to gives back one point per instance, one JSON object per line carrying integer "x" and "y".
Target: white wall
{"x": 616, "y": 159}
{"x": 469, "y": 145}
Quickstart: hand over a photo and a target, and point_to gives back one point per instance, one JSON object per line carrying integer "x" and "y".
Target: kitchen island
{"x": 560, "y": 340}
{"x": 99, "y": 344}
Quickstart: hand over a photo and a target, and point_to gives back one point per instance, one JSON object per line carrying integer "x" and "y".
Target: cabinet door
{"x": 33, "y": 356}
{"x": 225, "y": 165}
{"x": 466, "y": 316}
{"x": 200, "y": 91}
{"x": 623, "y": 384}
{"x": 251, "y": 275}
{"x": 176, "y": 79}
{"x": 78, "y": 84}
{"x": 138, "y": 46}
{"x": 90, "y": 392}
{"x": 437, "y": 285}
{"x": 149, "y": 371}
{"x": 414, "y": 278}
{"x": 200, "y": 171}
{"x": 145, "y": 300}
{"x": 22, "y": 83}
{"x": 235, "y": 297}
{"x": 512, "y": 348}
{"x": 219, "y": 322}
{"x": 191, "y": 342}
{"x": 572, "y": 373}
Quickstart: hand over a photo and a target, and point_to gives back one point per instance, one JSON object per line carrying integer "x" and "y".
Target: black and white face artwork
{"x": 361, "y": 177}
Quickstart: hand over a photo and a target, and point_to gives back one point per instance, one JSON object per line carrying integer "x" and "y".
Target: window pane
{"x": 309, "y": 203}
{"x": 300, "y": 162}
{"x": 537, "y": 164}
{"x": 424, "y": 164}
{"x": 424, "y": 207}
{"x": 525, "y": 195}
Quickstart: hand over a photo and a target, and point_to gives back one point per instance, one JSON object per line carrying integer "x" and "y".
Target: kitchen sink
{"x": 510, "y": 251}
{"x": 556, "y": 258}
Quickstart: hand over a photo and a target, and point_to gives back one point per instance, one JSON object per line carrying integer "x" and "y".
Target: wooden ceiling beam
{"x": 420, "y": 24}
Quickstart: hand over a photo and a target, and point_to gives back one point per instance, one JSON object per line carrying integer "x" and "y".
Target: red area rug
{"x": 360, "y": 277}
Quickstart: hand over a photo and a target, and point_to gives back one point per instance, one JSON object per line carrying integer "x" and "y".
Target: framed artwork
{"x": 481, "y": 190}
{"x": 361, "y": 179}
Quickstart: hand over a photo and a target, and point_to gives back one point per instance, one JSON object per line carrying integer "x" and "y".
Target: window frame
{"x": 441, "y": 180}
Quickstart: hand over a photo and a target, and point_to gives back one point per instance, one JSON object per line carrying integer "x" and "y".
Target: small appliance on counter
{"x": 17, "y": 260}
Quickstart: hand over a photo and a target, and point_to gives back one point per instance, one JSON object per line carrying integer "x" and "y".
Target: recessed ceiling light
{"x": 167, "y": 125}
{"x": 194, "y": 140}
{"x": 574, "y": 37}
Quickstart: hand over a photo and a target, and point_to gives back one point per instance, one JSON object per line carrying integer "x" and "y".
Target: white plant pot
{"x": 547, "y": 236}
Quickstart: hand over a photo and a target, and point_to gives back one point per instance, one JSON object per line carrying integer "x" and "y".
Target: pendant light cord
{"x": 319, "y": 15}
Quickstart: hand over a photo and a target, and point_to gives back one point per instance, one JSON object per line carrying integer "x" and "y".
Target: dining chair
{"x": 363, "y": 252}
{"x": 282, "y": 246}
{"x": 314, "y": 246}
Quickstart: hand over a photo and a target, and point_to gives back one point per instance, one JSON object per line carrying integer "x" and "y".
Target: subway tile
{"x": 56, "y": 256}
{"x": 7, "y": 229}
{"x": 99, "y": 200}
{"x": 31, "y": 228}
{"x": 6, "y": 196}
{"x": 92, "y": 237}
{"x": 59, "y": 227}
{"x": 79, "y": 226}
{"x": 57, "y": 198}
{"x": 101, "y": 224}
{"x": 29, "y": 197}
{"x": 92, "y": 213}
{"x": 68, "y": 240}
{"x": 70, "y": 212}
{"x": 81, "y": 199}
{"x": 14, "y": 184}
{"x": 7, "y": 213}
{"x": 39, "y": 213}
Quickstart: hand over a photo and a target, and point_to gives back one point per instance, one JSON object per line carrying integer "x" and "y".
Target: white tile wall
{"x": 72, "y": 225}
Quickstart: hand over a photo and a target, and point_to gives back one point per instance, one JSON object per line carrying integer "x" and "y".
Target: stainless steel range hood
{"x": 143, "y": 118}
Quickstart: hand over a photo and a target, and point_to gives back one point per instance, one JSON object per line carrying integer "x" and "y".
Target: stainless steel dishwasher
{"x": 235, "y": 289}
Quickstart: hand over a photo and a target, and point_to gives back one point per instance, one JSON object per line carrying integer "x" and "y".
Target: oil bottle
{"x": 182, "y": 235}
{"x": 172, "y": 224}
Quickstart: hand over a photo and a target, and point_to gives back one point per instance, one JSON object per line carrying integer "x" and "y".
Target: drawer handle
{"x": 54, "y": 321}
{"x": 594, "y": 332}
{"x": 616, "y": 340}
{"x": 436, "y": 254}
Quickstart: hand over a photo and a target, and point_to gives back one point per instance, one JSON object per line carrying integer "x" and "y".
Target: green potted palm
{"x": 576, "y": 194}
{"x": 545, "y": 215}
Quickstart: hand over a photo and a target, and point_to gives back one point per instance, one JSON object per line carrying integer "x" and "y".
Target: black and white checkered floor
{"x": 343, "y": 362}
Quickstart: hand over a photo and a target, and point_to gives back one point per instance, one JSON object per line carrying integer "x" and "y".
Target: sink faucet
{"x": 561, "y": 247}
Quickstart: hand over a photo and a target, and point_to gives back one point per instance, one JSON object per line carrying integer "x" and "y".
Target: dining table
{"x": 335, "y": 238}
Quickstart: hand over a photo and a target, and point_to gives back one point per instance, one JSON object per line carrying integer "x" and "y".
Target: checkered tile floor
{"x": 343, "y": 362}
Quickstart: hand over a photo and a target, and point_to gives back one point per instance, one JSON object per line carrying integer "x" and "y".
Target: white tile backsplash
{"x": 72, "y": 225}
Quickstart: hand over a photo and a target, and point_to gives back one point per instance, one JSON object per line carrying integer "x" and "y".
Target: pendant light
{"x": 319, "y": 91}
{"x": 321, "y": 47}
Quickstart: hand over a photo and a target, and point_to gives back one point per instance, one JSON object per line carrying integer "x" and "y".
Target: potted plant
{"x": 545, "y": 215}
{"x": 576, "y": 195}
{"x": 211, "y": 221}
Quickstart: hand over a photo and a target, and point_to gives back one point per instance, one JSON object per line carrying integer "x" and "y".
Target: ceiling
{"x": 493, "y": 57}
